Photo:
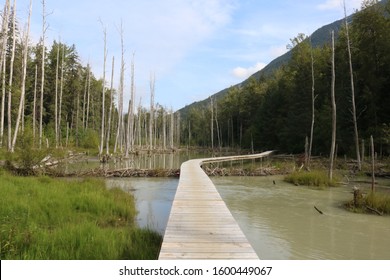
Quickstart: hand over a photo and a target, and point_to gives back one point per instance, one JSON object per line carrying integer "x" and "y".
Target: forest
{"x": 49, "y": 99}
{"x": 275, "y": 112}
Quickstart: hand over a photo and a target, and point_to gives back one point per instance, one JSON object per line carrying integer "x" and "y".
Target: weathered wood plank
{"x": 200, "y": 225}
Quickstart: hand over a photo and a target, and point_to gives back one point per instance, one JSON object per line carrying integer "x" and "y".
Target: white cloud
{"x": 244, "y": 73}
{"x": 338, "y": 4}
{"x": 278, "y": 51}
{"x": 330, "y": 5}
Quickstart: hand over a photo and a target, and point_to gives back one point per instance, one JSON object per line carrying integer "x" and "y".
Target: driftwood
{"x": 240, "y": 171}
{"x": 374, "y": 210}
{"x": 128, "y": 172}
{"x": 318, "y": 210}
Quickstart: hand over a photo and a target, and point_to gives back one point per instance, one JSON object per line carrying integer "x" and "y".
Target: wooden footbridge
{"x": 200, "y": 225}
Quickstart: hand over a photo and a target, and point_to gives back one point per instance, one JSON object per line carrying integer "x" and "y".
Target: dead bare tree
{"x": 172, "y": 131}
{"x": 333, "y": 100}
{"x": 24, "y": 73}
{"x": 88, "y": 85}
{"x": 212, "y": 123}
{"x": 4, "y": 32}
{"x": 131, "y": 107}
{"x": 355, "y": 126}
{"x": 218, "y": 130}
{"x": 56, "y": 96}
{"x": 119, "y": 133}
{"x": 61, "y": 93}
{"x": 313, "y": 99}
{"x": 103, "y": 92}
{"x": 2, "y": 104}
{"x": 151, "y": 118}
{"x": 3, "y": 58}
{"x": 34, "y": 114}
{"x": 10, "y": 148}
{"x": 372, "y": 164}
{"x": 111, "y": 105}
{"x": 44, "y": 28}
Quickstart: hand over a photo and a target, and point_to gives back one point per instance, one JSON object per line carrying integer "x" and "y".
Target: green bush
{"x": 89, "y": 139}
{"x": 25, "y": 158}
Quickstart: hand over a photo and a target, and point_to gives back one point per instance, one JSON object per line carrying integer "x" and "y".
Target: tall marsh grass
{"x": 44, "y": 218}
{"x": 314, "y": 178}
{"x": 378, "y": 201}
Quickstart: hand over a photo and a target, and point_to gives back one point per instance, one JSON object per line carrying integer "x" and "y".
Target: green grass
{"x": 314, "y": 178}
{"x": 378, "y": 201}
{"x": 44, "y": 218}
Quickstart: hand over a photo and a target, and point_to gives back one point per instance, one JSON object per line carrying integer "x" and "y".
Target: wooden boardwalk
{"x": 200, "y": 225}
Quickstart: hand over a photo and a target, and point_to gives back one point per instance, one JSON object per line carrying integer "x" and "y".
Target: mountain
{"x": 319, "y": 38}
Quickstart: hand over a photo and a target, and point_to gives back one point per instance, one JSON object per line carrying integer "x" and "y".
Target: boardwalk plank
{"x": 200, "y": 225}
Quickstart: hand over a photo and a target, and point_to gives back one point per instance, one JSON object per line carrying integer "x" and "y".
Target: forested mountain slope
{"x": 272, "y": 109}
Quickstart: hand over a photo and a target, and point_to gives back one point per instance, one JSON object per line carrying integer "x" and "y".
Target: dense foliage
{"x": 274, "y": 112}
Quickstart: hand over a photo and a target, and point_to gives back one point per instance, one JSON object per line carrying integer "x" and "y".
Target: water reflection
{"x": 153, "y": 197}
{"x": 281, "y": 223}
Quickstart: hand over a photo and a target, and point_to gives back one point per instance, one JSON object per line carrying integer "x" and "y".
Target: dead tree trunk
{"x": 56, "y": 96}
{"x": 3, "y": 59}
{"x": 103, "y": 93}
{"x": 42, "y": 72}
{"x": 111, "y": 105}
{"x": 88, "y": 85}
{"x": 212, "y": 124}
{"x": 119, "y": 132}
{"x": 372, "y": 165}
{"x": 313, "y": 99}
{"x": 333, "y": 100}
{"x": 34, "y": 116}
{"x": 11, "y": 78}
{"x": 24, "y": 73}
{"x": 131, "y": 109}
{"x": 178, "y": 129}
{"x": 61, "y": 92}
{"x": 355, "y": 127}
{"x": 151, "y": 119}
{"x": 172, "y": 131}
{"x": 2, "y": 105}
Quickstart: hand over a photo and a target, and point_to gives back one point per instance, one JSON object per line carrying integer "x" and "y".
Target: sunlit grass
{"x": 314, "y": 178}
{"x": 378, "y": 201}
{"x": 44, "y": 218}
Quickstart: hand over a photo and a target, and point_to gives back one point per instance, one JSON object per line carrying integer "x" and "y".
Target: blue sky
{"x": 195, "y": 48}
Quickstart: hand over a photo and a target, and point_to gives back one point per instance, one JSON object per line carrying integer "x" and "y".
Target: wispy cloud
{"x": 243, "y": 73}
{"x": 338, "y": 4}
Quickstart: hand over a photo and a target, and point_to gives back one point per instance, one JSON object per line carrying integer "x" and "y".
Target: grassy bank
{"x": 314, "y": 178}
{"x": 372, "y": 203}
{"x": 44, "y": 218}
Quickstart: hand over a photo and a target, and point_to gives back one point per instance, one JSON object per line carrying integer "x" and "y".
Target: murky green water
{"x": 153, "y": 197}
{"x": 280, "y": 221}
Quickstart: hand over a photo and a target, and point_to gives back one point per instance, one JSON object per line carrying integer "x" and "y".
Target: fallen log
{"x": 374, "y": 210}
{"x": 318, "y": 210}
{"x": 128, "y": 172}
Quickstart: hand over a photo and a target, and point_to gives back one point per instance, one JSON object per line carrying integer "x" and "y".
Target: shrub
{"x": 89, "y": 139}
{"x": 26, "y": 158}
